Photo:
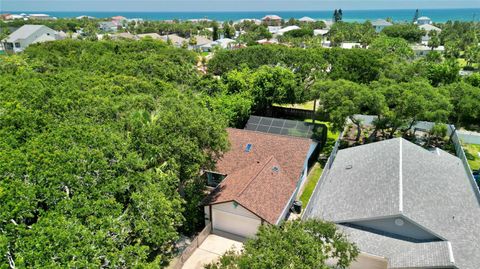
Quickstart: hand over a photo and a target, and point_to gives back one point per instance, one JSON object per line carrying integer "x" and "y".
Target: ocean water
{"x": 437, "y": 15}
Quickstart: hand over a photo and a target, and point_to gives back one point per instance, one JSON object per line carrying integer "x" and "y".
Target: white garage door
{"x": 235, "y": 224}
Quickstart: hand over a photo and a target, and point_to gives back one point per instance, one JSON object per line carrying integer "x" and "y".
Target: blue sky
{"x": 226, "y": 5}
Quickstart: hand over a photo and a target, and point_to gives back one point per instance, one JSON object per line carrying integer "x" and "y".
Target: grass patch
{"x": 312, "y": 180}
{"x": 471, "y": 152}
{"x": 306, "y": 106}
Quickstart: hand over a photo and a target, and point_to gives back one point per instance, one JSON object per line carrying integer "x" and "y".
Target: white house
{"x": 274, "y": 29}
{"x": 27, "y": 35}
{"x": 422, "y": 50}
{"x": 423, "y": 20}
{"x": 350, "y": 45}
{"x": 306, "y": 20}
{"x": 380, "y": 24}
{"x": 224, "y": 43}
{"x": 108, "y": 26}
{"x": 288, "y": 29}
{"x": 428, "y": 28}
{"x": 40, "y": 17}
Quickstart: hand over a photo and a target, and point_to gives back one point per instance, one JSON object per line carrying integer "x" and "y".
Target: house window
{"x": 17, "y": 45}
{"x": 213, "y": 179}
{"x": 8, "y": 46}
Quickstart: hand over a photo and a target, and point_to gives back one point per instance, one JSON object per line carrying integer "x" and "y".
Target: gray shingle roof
{"x": 398, "y": 178}
{"x": 401, "y": 254}
{"x": 381, "y": 22}
{"x": 24, "y": 32}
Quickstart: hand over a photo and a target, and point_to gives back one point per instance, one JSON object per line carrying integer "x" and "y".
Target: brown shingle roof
{"x": 264, "y": 179}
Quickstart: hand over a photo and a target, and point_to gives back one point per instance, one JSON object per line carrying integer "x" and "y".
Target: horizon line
{"x": 232, "y": 11}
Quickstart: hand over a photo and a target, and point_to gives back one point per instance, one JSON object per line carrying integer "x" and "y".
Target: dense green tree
{"x": 465, "y": 99}
{"x": 434, "y": 41}
{"x": 409, "y": 32}
{"x": 215, "y": 34}
{"x": 228, "y": 30}
{"x": 297, "y": 244}
{"x": 101, "y": 145}
{"x": 273, "y": 85}
{"x": 392, "y": 45}
{"x": 343, "y": 99}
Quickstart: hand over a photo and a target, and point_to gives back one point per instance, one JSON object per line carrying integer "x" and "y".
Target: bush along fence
{"x": 179, "y": 261}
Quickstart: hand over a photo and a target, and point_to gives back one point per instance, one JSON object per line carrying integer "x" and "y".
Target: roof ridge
{"x": 400, "y": 177}
{"x": 256, "y": 175}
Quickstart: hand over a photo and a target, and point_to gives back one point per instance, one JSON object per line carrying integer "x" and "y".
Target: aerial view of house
{"x": 201, "y": 134}
{"x": 399, "y": 202}
{"x": 256, "y": 181}
{"x": 27, "y": 35}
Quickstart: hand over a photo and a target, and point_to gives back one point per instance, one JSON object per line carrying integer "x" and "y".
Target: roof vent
{"x": 275, "y": 169}
{"x": 348, "y": 167}
{"x": 399, "y": 222}
{"x": 248, "y": 148}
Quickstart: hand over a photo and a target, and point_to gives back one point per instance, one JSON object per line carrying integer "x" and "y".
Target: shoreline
{"x": 398, "y": 15}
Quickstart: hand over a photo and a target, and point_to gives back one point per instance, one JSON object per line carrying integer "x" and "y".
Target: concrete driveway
{"x": 213, "y": 247}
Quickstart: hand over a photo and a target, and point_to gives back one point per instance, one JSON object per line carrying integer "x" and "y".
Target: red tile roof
{"x": 264, "y": 179}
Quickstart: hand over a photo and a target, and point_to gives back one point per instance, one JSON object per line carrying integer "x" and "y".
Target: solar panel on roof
{"x": 248, "y": 148}
{"x": 254, "y": 119}
{"x": 282, "y": 127}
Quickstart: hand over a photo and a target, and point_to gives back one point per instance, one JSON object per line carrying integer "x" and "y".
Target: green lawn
{"x": 472, "y": 151}
{"x": 306, "y": 106}
{"x": 312, "y": 180}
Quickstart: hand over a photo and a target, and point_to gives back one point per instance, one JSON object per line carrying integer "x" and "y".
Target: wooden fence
{"x": 179, "y": 261}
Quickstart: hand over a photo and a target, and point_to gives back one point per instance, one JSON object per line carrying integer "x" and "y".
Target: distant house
{"x": 423, "y": 20}
{"x": 256, "y": 181}
{"x": 350, "y": 45}
{"x": 274, "y": 29}
{"x": 119, "y": 18}
{"x": 402, "y": 205}
{"x": 320, "y": 32}
{"x": 267, "y": 41}
{"x": 380, "y": 24}
{"x": 328, "y": 23}
{"x": 255, "y": 21}
{"x": 203, "y": 43}
{"x": 272, "y": 20}
{"x": 107, "y": 26}
{"x": 119, "y": 36}
{"x": 27, "y": 35}
{"x": 85, "y": 17}
{"x": 422, "y": 50}
{"x": 428, "y": 28}
{"x": 175, "y": 40}
{"x": 306, "y": 20}
{"x": 287, "y": 29}
{"x": 5, "y": 16}
{"x": 224, "y": 43}
{"x": 154, "y": 36}
{"x": 40, "y": 17}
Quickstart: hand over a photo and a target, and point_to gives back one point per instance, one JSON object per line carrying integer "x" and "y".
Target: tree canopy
{"x": 101, "y": 146}
{"x": 295, "y": 244}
